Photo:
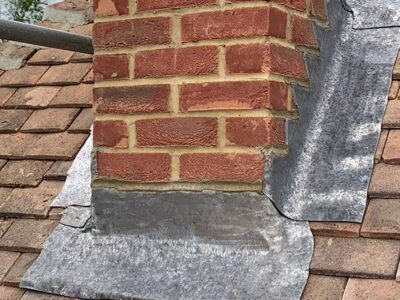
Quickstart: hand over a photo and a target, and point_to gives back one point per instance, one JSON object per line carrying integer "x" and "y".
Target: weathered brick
{"x": 391, "y": 154}
{"x": 259, "y": 58}
{"x": 334, "y": 229}
{"x": 222, "y": 167}
{"x": 255, "y": 131}
{"x": 371, "y": 289}
{"x": 146, "y": 167}
{"x": 318, "y": 9}
{"x": 382, "y": 219}
{"x": 111, "y": 66}
{"x": 233, "y": 95}
{"x": 391, "y": 118}
{"x": 128, "y": 100}
{"x": 143, "y": 5}
{"x": 384, "y": 181}
{"x": 182, "y": 61}
{"x": 303, "y": 32}
{"x": 234, "y": 23}
{"x": 177, "y": 132}
{"x": 127, "y": 33}
{"x": 110, "y": 133}
{"x": 296, "y": 4}
{"x": 324, "y": 287}
{"x": 103, "y": 8}
{"x": 355, "y": 257}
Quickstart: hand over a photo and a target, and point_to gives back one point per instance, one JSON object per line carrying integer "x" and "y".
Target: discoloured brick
{"x": 234, "y": 24}
{"x": 16, "y": 273}
{"x": 128, "y": 100}
{"x": 355, "y": 257}
{"x": 104, "y": 8}
{"x": 111, "y": 133}
{"x": 74, "y": 96}
{"x": 111, "y": 66}
{"x": 12, "y": 120}
{"x": 255, "y": 131}
{"x": 147, "y": 167}
{"x": 143, "y": 5}
{"x": 182, "y": 61}
{"x": 50, "y": 56}
{"x": 233, "y": 95}
{"x": 221, "y": 167}
{"x": 23, "y": 173}
{"x": 65, "y": 74}
{"x": 391, "y": 154}
{"x": 120, "y": 34}
{"x": 324, "y": 288}
{"x": 26, "y": 76}
{"x": 370, "y": 289}
{"x": 50, "y": 120}
{"x": 303, "y": 32}
{"x": 333, "y": 229}
{"x": 35, "y": 97}
{"x": 177, "y": 132}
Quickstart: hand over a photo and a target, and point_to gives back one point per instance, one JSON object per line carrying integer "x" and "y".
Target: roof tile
{"x": 382, "y": 219}
{"x": 89, "y": 78}
{"x": 385, "y": 181}
{"x": 381, "y": 145}
{"x": 324, "y": 287}
{"x": 335, "y": 229}
{"x": 15, "y": 145}
{"x": 2, "y": 162}
{"x": 81, "y": 57}
{"x": 34, "y": 97}
{"x": 50, "y": 120}
{"x": 27, "y": 235}
{"x": 74, "y": 96}
{"x": 83, "y": 122}
{"x": 26, "y": 76}
{"x": 355, "y": 257}
{"x": 391, "y": 155}
{"x": 392, "y": 115}
{"x": 4, "y": 225}
{"x": 7, "y": 259}
{"x": 83, "y": 29}
{"x": 23, "y": 173}
{"x": 13, "y": 119}
{"x": 31, "y": 202}
{"x": 59, "y": 146}
{"x": 18, "y": 270}
{"x": 11, "y": 293}
{"x": 370, "y": 289}
{"x": 394, "y": 90}
{"x": 50, "y": 56}
{"x": 59, "y": 170}
{"x": 5, "y": 94}
{"x": 56, "y": 213}
{"x": 4, "y": 194}
{"x": 65, "y": 74}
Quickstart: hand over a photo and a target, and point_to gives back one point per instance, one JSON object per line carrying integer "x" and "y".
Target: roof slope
{"x": 45, "y": 118}
{"x": 353, "y": 261}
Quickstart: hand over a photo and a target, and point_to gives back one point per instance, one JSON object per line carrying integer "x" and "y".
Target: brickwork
{"x": 192, "y": 94}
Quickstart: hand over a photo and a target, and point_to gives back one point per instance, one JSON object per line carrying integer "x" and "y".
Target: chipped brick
{"x": 12, "y": 120}
{"x": 26, "y": 76}
{"x": 324, "y": 287}
{"x": 74, "y": 96}
{"x": 65, "y": 74}
{"x": 35, "y": 97}
{"x": 14, "y": 276}
{"x": 27, "y": 235}
{"x": 50, "y": 120}
{"x": 50, "y": 56}
{"x": 335, "y": 229}
{"x": 365, "y": 258}
{"x": 110, "y": 133}
{"x": 23, "y": 173}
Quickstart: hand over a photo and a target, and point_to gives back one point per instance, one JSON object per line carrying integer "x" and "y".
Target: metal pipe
{"x": 42, "y": 36}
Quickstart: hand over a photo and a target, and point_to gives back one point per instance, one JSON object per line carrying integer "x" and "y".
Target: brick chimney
{"x": 193, "y": 95}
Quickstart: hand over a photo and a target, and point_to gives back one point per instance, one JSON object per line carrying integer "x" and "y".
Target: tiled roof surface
{"x": 45, "y": 118}
{"x": 358, "y": 262}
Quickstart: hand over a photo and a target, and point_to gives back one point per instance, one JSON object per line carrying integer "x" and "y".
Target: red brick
{"x": 162, "y": 4}
{"x": 104, "y": 8}
{"x": 233, "y": 24}
{"x": 233, "y": 95}
{"x": 391, "y": 154}
{"x": 303, "y": 32}
{"x": 371, "y": 289}
{"x": 183, "y": 61}
{"x": 111, "y": 133}
{"x": 324, "y": 287}
{"x": 120, "y": 34}
{"x": 177, "y": 132}
{"x": 296, "y": 4}
{"x": 148, "y": 167}
{"x": 334, "y": 229}
{"x": 318, "y": 9}
{"x": 222, "y": 167}
{"x": 111, "y": 66}
{"x": 255, "y": 131}
{"x": 128, "y": 100}
{"x": 257, "y": 58}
